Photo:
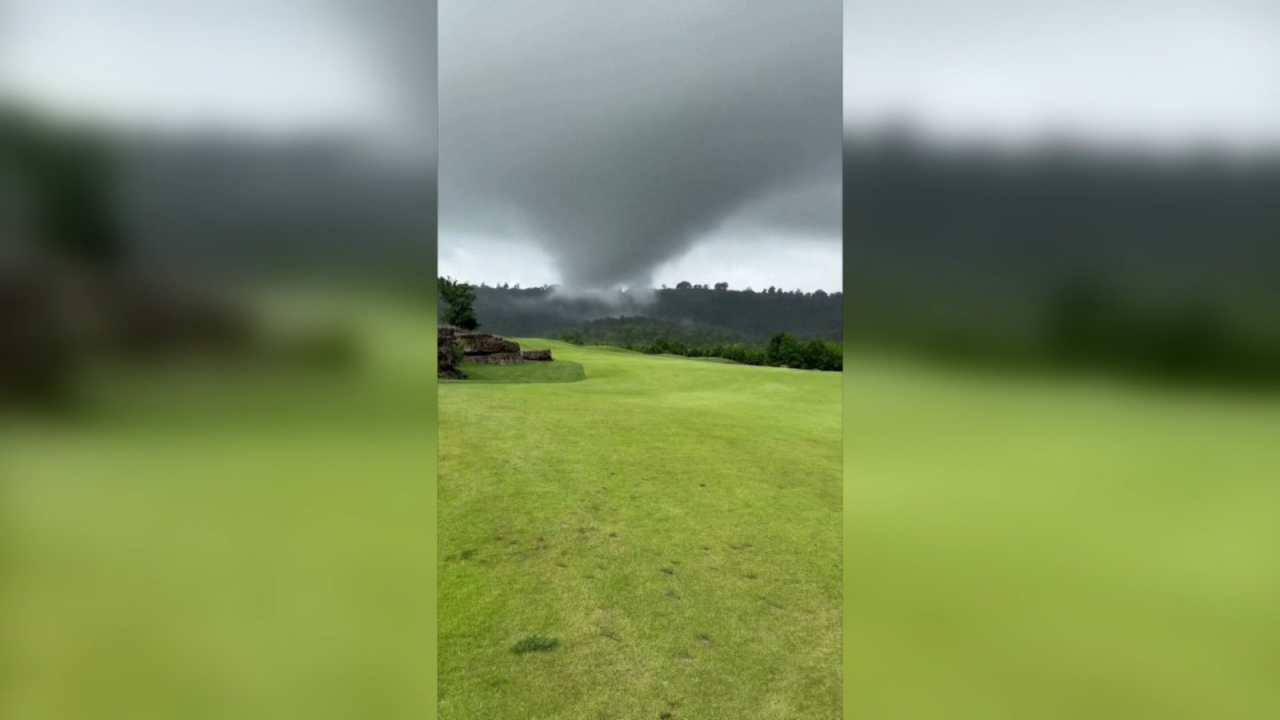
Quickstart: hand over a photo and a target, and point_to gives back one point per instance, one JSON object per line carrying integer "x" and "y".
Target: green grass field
{"x": 223, "y": 544}
{"x": 530, "y": 372}
{"x": 702, "y": 359}
{"x": 1055, "y": 548}
{"x": 673, "y": 525}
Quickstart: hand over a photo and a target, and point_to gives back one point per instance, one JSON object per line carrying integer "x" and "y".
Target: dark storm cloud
{"x": 810, "y": 209}
{"x": 615, "y": 134}
{"x": 400, "y": 37}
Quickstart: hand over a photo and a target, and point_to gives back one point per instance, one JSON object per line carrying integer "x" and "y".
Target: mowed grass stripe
{"x": 674, "y": 524}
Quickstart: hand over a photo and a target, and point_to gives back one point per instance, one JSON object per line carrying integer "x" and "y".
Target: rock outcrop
{"x": 477, "y": 344}
{"x": 480, "y": 348}
{"x": 504, "y": 358}
{"x": 446, "y": 363}
{"x": 490, "y": 349}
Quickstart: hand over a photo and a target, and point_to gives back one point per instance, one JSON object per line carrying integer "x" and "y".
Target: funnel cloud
{"x": 615, "y": 137}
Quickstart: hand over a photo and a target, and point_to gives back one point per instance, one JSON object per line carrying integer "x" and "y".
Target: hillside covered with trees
{"x": 655, "y": 337}
{"x": 723, "y": 314}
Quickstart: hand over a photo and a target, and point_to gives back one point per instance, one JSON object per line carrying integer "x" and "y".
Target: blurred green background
{"x": 199, "y": 539}
{"x": 1031, "y": 546}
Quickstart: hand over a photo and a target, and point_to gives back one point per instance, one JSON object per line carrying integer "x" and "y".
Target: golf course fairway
{"x": 661, "y": 538}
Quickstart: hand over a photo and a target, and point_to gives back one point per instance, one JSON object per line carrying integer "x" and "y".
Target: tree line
{"x": 782, "y": 350}
{"x": 749, "y": 315}
{"x": 658, "y": 337}
{"x": 633, "y": 331}
{"x": 1090, "y": 325}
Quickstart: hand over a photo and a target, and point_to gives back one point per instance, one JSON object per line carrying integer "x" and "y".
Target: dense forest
{"x": 783, "y": 350}
{"x": 656, "y": 337}
{"x": 633, "y": 331}
{"x": 743, "y": 315}
{"x": 457, "y": 303}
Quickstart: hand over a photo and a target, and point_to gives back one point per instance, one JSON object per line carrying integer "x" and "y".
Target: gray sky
{"x": 603, "y": 144}
{"x": 276, "y": 67}
{"x": 693, "y": 139}
{"x": 1161, "y": 73}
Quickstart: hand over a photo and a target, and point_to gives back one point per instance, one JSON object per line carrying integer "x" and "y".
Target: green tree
{"x": 783, "y": 350}
{"x": 460, "y": 298}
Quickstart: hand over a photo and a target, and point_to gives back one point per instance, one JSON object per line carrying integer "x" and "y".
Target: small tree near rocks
{"x": 459, "y": 299}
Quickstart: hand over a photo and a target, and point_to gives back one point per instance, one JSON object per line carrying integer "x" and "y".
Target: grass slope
{"x": 702, "y": 359}
{"x": 674, "y": 525}
{"x": 1035, "y": 548}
